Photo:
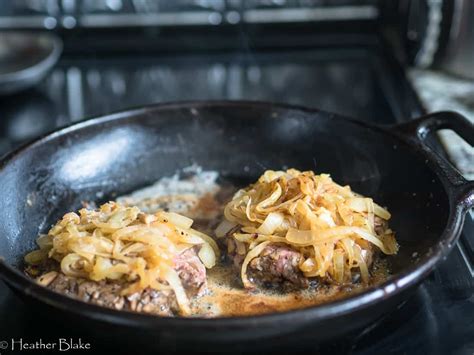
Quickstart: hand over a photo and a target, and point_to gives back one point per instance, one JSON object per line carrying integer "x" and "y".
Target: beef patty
{"x": 107, "y": 293}
{"x": 277, "y": 266}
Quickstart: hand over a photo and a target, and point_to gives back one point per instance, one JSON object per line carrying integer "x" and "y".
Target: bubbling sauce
{"x": 226, "y": 296}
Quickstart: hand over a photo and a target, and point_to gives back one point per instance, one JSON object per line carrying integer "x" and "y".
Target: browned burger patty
{"x": 277, "y": 267}
{"x": 192, "y": 272}
{"x": 108, "y": 293}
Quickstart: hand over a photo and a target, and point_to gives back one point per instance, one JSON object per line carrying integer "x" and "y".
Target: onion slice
{"x": 271, "y": 223}
{"x": 252, "y": 254}
{"x": 171, "y": 276}
{"x": 224, "y": 227}
{"x": 207, "y": 256}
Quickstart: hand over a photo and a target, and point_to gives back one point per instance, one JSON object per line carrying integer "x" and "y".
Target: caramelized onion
{"x": 117, "y": 242}
{"x": 330, "y": 225}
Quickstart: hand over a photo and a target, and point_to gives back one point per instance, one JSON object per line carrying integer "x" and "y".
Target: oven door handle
{"x": 416, "y": 132}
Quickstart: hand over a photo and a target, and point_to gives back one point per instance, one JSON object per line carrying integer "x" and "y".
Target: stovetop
{"x": 356, "y": 81}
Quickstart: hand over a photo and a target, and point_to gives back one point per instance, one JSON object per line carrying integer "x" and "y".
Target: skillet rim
{"x": 397, "y": 284}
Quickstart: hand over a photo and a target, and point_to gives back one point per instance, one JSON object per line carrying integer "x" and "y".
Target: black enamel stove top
{"x": 359, "y": 82}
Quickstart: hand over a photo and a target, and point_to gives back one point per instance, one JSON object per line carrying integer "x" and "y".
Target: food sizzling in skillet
{"x": 116, "y": 255}
{"x": 277, "y": 266}
{"x": 290, "y": 228}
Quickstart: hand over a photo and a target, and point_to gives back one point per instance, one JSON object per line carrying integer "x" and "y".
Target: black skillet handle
{"x": 461, "y": 191}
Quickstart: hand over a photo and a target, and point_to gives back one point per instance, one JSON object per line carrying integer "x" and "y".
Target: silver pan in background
{"x": 26, "y": 58}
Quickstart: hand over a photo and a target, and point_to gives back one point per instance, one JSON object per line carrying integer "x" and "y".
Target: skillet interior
{"x": 122, "y": 152}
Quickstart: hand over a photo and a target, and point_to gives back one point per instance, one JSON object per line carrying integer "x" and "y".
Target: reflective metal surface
{"x": 26, "y": 58}
{"x": 70, "y": 14}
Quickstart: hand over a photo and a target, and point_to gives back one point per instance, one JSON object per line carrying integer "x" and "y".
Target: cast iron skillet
{"x": 102, "y": 157}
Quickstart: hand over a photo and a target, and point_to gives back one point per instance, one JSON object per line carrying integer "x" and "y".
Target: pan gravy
{"x": 226, "y": 296}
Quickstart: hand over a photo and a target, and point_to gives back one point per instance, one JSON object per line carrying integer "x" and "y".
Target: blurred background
{"x": 384, "y": 61}
{"x": 122, "y": 53}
